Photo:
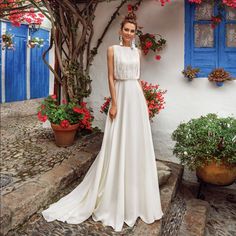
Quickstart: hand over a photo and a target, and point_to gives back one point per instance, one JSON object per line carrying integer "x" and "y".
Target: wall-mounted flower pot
{"x": 219, "y": 84}
{"x": 64, "y": 137}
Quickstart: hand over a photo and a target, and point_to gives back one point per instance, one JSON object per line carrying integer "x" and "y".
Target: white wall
{"x": 46, "y": 24}
{"x": 184, "y": 100}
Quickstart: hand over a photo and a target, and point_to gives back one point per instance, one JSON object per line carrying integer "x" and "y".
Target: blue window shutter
{"x": 208, "y": 58}
{"x": 201, "y": 57}
{"x": 227, "y": 55}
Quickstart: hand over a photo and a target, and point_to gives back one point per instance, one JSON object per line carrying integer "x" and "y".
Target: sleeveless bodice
{"x": 126, "y": 63}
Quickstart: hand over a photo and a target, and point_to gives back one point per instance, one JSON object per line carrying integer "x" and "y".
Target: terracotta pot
{"x": 64, "y": 137}
{"x": 218, "y": 174}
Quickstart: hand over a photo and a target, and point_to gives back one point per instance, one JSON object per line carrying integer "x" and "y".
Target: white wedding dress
{"x": 122, "y": 182}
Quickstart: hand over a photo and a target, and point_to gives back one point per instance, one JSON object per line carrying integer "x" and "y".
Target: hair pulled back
{"x": 130, "y": 18}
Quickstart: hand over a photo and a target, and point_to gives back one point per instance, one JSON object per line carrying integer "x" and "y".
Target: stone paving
{"x": 28, "y": 150}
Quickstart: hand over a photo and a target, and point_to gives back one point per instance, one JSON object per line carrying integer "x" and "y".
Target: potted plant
{"x": 208, "y": 145}
{"x": 154, "y": 98}
{"x": 149, "y": 42}
{"x": 36, "y": 41}
{"x": 219, "y": 76}
{"x": 7, "y": 41}
{"x": 190, "y": 73}
{"x": 65, "y": 118}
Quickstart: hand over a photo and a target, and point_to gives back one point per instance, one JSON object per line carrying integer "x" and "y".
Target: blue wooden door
{"x": 15, "y": 65}
{"x": 39, "y": 72}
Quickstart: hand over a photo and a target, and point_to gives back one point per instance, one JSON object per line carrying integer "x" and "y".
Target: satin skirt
{"x": 122, "y": 183}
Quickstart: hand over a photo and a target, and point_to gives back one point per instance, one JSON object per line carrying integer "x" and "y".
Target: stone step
{"x": 168, "y": 192}
{"x": 53, "y": 183}
{"x": 195, "y": 216}
{"x": 218, "y": 217}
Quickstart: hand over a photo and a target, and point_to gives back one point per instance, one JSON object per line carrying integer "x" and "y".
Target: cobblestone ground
{"x": 28, "y": 150}
{"x": 221, "y": 220}
{"x": 173, "y": 218}
{"x": 222, "y": 215}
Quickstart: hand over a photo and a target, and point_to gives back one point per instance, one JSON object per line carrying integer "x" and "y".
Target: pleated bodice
{"x": 126, "y": 63}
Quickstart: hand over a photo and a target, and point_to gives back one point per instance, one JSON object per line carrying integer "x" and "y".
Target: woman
{"x": 122, "y": 183}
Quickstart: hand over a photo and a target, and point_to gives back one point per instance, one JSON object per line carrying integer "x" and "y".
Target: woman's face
{"x": 128, "y": 32}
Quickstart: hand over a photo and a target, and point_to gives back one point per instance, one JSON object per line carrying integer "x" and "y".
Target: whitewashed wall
{"x": 184, "y": 100}
{"x": 46, "y": 24}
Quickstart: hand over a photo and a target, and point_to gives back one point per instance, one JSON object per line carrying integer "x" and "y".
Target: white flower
{"x": 185, "y": 153}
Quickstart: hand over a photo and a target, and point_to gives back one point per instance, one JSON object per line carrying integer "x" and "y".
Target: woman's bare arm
{"x": 140, "y": 55}
{"x": 110, "y": 66}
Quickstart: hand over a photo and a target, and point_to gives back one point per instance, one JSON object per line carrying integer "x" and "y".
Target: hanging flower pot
{"x": 64, "y": 136}
{"x": 7, "y": 41}
{"x": 39, "y": 42}
{"x": 31, "y": 44}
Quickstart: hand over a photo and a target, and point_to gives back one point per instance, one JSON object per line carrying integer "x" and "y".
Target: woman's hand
{"x": 113, "y": 112}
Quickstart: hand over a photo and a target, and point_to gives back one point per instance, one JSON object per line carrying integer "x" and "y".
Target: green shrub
{"x": 204, "y": 139}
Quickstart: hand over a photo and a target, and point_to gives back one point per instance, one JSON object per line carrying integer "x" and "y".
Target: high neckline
{"x": 125, "y": 46}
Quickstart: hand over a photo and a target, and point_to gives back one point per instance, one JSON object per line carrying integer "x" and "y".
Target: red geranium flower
{"x": 78, "y": 110}
{"x": 148, "y": 44}
{"x": 158, "y": 57}
{"x": 130, "y": 7}
{"x": 64, "y": 123}
{"x": 64, "y": 101}
{"x": 41, "y": 117}
{"x": 54, "y": 96}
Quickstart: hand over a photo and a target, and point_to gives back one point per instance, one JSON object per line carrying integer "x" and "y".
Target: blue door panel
{"x": 39, "y": 72}
{"x": 15, "y": 65}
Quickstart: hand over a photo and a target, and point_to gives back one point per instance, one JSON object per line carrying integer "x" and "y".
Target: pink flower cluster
{"x": 163, "y": 2}
{"x": 195, "y": 1}
{"x": 87, "y": 117}
{"x": 154, "y": 98}
{"x": 106, "y": 104}
{"x": 215, "y": 21}
{"x": 17, "y": 16}
{"x": 230, "y": 3}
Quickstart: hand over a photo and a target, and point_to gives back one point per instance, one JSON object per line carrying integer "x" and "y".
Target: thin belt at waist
{"x": 126, "y": 79}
